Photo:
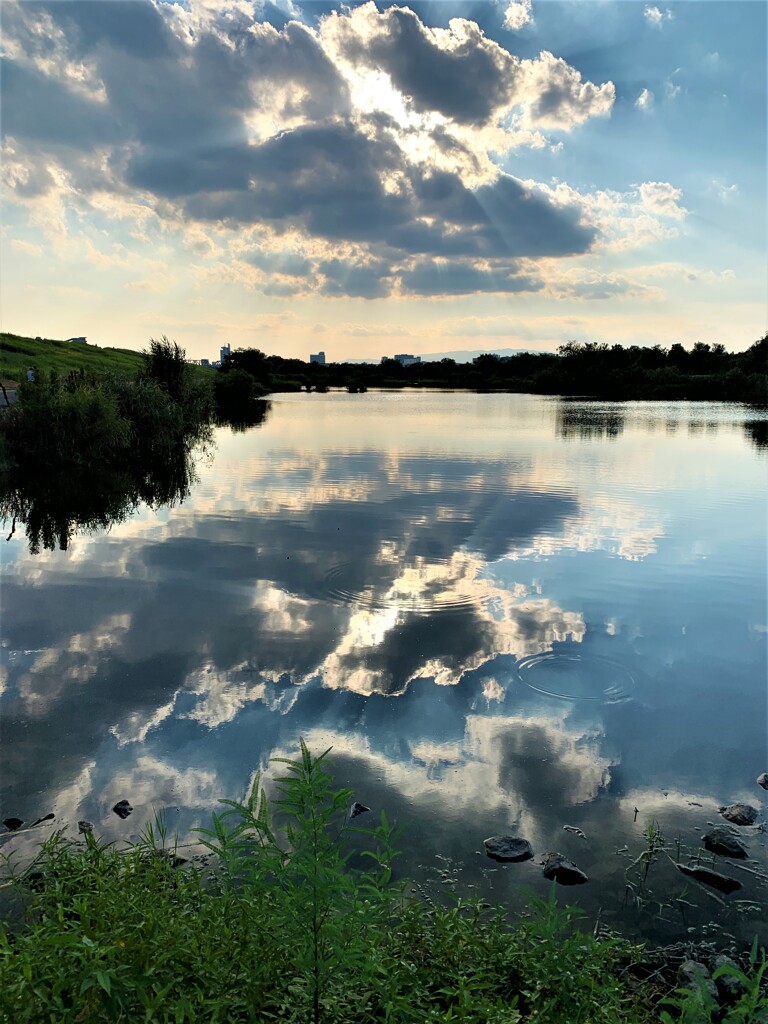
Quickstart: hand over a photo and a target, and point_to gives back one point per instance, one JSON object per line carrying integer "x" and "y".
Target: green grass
{"x": 297, "y": 920}
{"x": 18, "y": 353}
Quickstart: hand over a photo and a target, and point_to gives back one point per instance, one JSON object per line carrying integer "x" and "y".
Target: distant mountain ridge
{"x": 467, "y": 355}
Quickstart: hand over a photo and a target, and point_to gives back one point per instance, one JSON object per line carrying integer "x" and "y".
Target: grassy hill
{"x": 18, "y": 353}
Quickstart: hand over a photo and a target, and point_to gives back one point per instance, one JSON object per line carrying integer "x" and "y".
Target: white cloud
{"x": 518, "y": 14}
{"x": 28, "y": 248}
{"x": 725, "y": 193}
{"x": 645, "y": 101}
{"x": 671, "y": 89}
{"x": 662, "y": 199}
{"x": 656, "y": 17}
{"x": 623, "y": 220}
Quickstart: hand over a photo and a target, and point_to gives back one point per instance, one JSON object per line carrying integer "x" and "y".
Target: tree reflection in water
{"x": 56, "y": 506}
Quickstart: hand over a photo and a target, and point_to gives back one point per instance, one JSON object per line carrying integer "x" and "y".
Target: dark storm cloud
{"x": 328, "y": 180}
{"x": 344, "y": 278}
{"x": 463, "y": 279}
{"x": 41, "y": 109}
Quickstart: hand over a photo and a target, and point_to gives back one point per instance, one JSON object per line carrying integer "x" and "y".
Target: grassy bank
{"x": 108, "y": 420}
{"x": 18, "y": 353}
{"x": 296, "y": 918}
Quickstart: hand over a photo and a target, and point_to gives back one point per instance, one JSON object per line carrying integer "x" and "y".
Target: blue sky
{"x": 368, "y": 178}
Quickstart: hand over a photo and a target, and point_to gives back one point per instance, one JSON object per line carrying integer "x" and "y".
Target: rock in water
{"x": 357, "y": 808}
{"x": 122, "y": 809}
{"x": 563, "y": 870}
{"x": 739, "y": 814}
{"x": 712, "y": 878}
{"x": 719, "y": 840}
{"x": 762, "y": 780}
{"x": 12, "y": 823}
{"x": 510, "y": 849}
{"x": 45, "y": 817}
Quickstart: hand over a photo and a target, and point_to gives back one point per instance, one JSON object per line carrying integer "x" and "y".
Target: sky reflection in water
{"x": 357, "y": 549}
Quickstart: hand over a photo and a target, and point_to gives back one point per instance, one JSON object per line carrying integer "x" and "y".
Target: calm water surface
{"x": 505, "y": 614}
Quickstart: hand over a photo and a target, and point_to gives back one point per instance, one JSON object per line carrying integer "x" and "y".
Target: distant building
{"x": 80, "y": 341}
{"x": 405, "y": 359}
{"x": 318, "y": 357}
{"x": 224, "y": 353}
{"x": 205, "y": 362}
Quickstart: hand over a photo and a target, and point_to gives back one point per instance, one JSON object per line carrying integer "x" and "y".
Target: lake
{"x": 506, "y": 614}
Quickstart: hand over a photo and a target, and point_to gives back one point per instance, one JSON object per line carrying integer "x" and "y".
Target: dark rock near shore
{"x": 694, "y": 975}
{"x": 563, "y": 870}
{"x": 720, "y": 840}
{"x": 357, "y": 808}
{"x": 122, "y": 809}
{"x": 510, "y": 849}
{"x": 712, "y": 878}
{"x": 12, "y": 823}
{"x": 729, "y": 984}
{"x": 762, "y": 780}
{"x": 739, "y": 814}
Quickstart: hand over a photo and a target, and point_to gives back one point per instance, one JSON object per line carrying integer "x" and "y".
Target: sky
{"x": 368, "y": 179}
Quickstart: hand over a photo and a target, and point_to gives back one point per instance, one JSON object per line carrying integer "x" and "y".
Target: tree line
{"x": 588, "y": 369}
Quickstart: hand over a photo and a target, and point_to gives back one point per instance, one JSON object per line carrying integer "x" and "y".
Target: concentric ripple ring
{"x": 583, "y": 677}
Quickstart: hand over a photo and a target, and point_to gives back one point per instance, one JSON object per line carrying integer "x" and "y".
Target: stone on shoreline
{"x": 729, "y": 984}
{"x": 12, "y": 823}
{"x": 691, "y": 974}
{"x": 122, "y": 809}
{"x": 739, "y": 814}
{"x": 510, "y": 849}
{"x": 563, "y": 870}
{"x": 762, "y": 780}
{"x": 720, "y": 840}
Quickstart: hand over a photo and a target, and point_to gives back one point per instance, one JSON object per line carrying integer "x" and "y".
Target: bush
{"x": 57, "y": 422}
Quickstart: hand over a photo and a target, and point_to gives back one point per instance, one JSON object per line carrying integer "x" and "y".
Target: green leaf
{"x": 105, "y": 982}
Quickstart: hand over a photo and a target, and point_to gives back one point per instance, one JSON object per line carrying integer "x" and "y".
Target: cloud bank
{"x": 356, "y": 156}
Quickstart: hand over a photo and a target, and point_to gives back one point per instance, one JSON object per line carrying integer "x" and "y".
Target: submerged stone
{"x": 509, "y": 849}
{"x": 739, "y": 814}
{"x": 712, "y": 878}
{"x": 357, "y": 808}
{"x": 122, "y": 809}
{"x": 762, "y": 780}
{"x": 563, "y": 870}
{"x": 12, "y": 823}
{"x": 719, "y": 840}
